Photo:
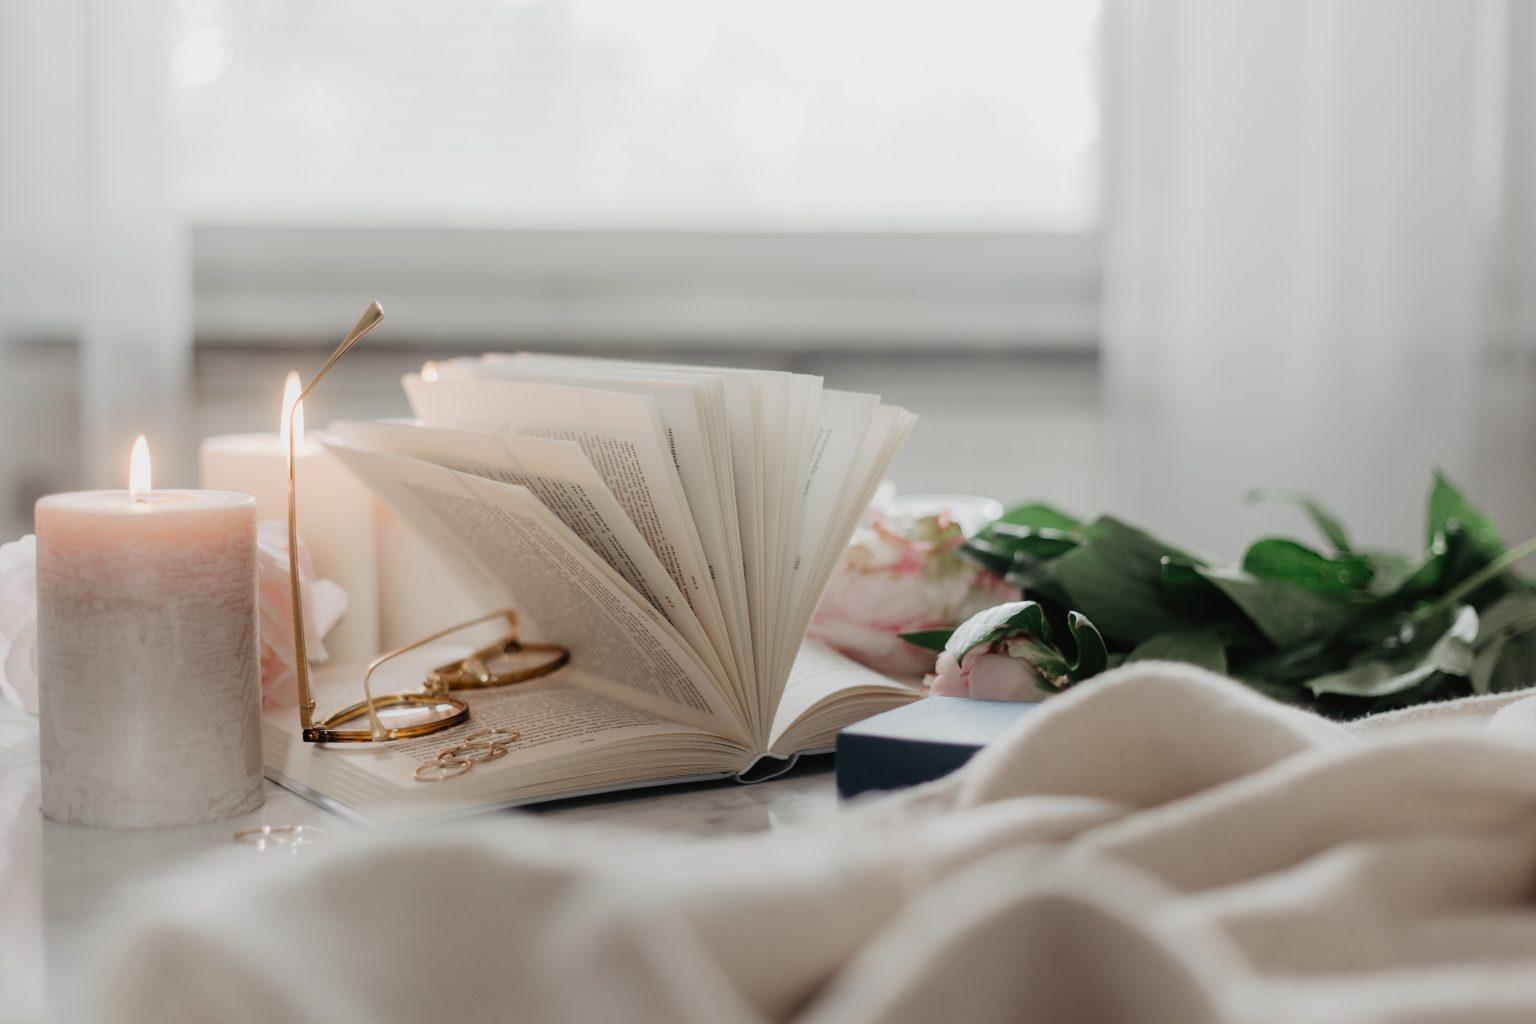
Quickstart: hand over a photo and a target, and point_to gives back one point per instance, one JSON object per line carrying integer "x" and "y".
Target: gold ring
{"x": 437, "y": 771}
{"x": 475, "y": 753}
{"x": 498, "y": 734}
{"x": 280, "y": 835}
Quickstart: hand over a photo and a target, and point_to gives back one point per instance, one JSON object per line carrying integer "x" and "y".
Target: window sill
{"x": 1001, "y": 291}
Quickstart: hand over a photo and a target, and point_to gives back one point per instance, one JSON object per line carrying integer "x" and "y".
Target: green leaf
{"x": 992, "y": 557}
{"x": 1020, "y": 630}
{"x": 1513, "y": 664}
{"x": 1382, "y": 672}
{"x": 1326, "y": 522}
{"x": 1036, "y": 516}
{"x": 1297, "y": 564}
{"x": 1389, "y": 571}
{"x": 1195, "y": 598}
{"x": 1278, "y": 691}
{"x": 1201, "y": 647}
{"x": 1506, "y": 645}
{"x": 1285, "y": 614}
{"x": 932, "y": 639}
{"x": 1495, "y": 576}
{"x": 1092, "y": 656}
{"x": 1054, "y": 672}
{"x": 1427, "y": 576}
{"x": 1115, "y": 578}
{"x": 1510, "y": 615}
{"x": 1013, "y": 618}
{"x": 1033, "y": 576}
{"x": 1038, "y": 542}
{"x": 1292, "y": 666}
{"x": 1485, "y": 663}
{"x": 1450, "y": 512}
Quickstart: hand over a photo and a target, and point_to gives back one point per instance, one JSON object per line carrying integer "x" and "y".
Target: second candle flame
{"x": 138, "y": 470}
{"x": 291, "y": 390}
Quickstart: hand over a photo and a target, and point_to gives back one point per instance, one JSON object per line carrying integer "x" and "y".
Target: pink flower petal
{"x": 999, "y": 677}
{"x": 948, "y": 680}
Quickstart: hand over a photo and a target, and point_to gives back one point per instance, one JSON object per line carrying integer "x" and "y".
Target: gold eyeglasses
{"x": 432, "y": 707}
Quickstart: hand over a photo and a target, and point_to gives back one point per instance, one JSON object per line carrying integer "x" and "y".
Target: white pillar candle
{"x": 149, "y": 678}
{"x": 336, "y": 517}
{"x": 418, "y": 592}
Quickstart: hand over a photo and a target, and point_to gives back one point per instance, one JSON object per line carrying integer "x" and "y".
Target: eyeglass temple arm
{"x": 365, "y": 323}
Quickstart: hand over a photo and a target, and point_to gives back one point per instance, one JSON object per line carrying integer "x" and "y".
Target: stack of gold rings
{"x": 476, "y": 748}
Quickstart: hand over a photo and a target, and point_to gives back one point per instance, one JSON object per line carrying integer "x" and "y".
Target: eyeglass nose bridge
{"x": 473, "y": 672}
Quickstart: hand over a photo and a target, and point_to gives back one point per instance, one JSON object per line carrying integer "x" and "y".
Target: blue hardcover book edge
{"x": 923, "y": 741}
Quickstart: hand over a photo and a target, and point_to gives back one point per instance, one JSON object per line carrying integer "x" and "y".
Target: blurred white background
{"x": 1132, "y": 256}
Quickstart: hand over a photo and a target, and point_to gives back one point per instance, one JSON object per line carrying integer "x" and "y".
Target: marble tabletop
{"x": 57, "y": 881}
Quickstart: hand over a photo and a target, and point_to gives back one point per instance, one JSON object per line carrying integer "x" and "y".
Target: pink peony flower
{"x": 18, "y": 623}
{"x": 986, "y": 673}
{"x": 903, "y": 573}
{"x": 324, "y": 604}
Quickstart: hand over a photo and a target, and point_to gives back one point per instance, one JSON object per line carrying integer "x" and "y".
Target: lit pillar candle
{"x": 336, "y": 516}
{"x": 149, "y": 682}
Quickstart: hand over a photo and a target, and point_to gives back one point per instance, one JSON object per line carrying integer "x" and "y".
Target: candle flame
{"x": 291, "y": 390}
{"x": 138, "y": 470}
{"x": 429, "y": 371}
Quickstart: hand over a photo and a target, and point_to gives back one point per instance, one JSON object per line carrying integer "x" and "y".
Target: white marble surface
{"x": 57, "y": 881}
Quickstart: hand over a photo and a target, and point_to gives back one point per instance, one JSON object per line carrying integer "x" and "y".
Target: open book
{"x": 672, "y": 526}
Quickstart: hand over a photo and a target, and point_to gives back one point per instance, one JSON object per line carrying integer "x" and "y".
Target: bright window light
{"x": 781, "y": 115}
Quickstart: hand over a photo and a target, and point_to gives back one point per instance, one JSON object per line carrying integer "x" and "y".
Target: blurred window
{"x": 739, "y": 115}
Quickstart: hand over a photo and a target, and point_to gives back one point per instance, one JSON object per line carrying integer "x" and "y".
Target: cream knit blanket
{"x": 1159, "y": 845}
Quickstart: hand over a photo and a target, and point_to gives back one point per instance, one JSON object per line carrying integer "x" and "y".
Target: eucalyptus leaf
{"x": 1201, "y": 647}
{"x": 1381, "y": 673}
{"x": 1326, "y": 522}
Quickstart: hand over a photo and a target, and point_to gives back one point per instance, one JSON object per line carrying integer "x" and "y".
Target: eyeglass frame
{"x": 467, "y": 673}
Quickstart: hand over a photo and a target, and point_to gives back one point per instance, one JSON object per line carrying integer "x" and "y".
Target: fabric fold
{"x": 1158, "y": 845}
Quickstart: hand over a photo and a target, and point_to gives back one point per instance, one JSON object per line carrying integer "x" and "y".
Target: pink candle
{"x": 148, "y": 656}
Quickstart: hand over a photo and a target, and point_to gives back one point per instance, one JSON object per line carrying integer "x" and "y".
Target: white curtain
{"x": 92, "y": 248}
{"x": 1318, "y": 240}
{"x": 1300, "y": 186}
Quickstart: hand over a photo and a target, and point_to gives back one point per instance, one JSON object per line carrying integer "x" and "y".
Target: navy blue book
{"x": 923, "y": 741}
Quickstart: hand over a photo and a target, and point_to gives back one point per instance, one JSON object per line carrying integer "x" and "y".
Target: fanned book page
{"x": 672, "y": 526}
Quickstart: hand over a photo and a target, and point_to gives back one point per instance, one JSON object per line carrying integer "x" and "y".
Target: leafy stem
{"x": 1492, "y": 570}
